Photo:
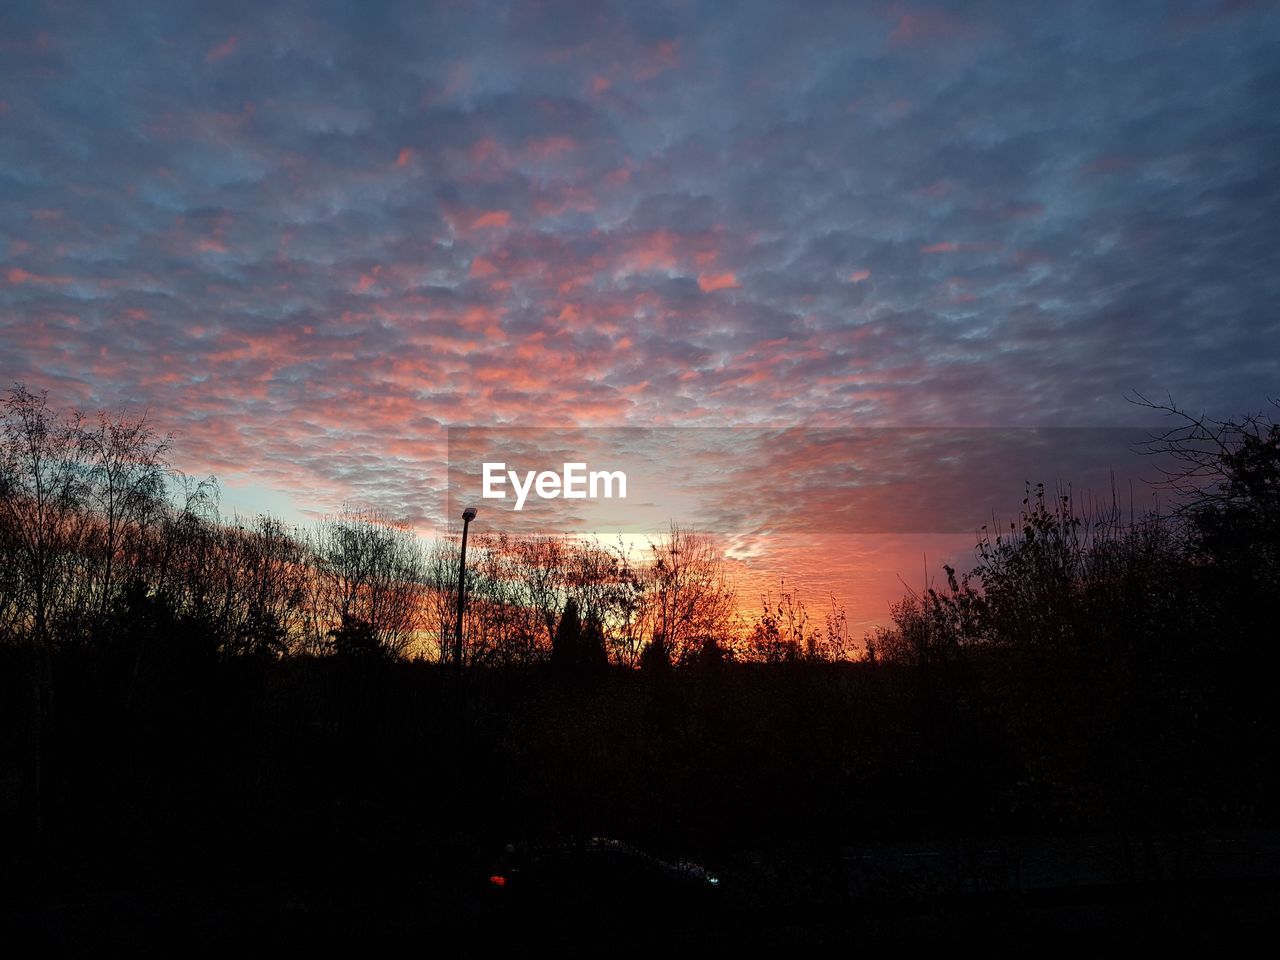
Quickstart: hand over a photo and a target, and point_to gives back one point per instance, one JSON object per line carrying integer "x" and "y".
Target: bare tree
{"x": 370, "y": 573}
{"x": 271, "y": 565}
{"x": 126, "y": 476}
{"x": 42, "y": 494}
{"x": 689, "y": 595}
{"x": 1218, "y": 463}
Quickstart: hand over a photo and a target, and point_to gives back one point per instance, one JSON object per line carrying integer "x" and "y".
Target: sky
{"x": 308, "y": 239}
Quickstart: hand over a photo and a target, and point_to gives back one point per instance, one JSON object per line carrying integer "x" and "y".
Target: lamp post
{"x": 468, "y": 515}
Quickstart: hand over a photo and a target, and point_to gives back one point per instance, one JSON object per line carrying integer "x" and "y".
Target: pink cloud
{"x": 222, "y": 50}
{"x": 618, "y": 177}
{"x": 656, "y": 250}
{"x": 658, "y": 59}
{"x": 16, "y": 276}
{"x": 492, "y": 219}
{"x": 917, "y": 26}
{"x": 709, "y": 283}
{"x": 546, "y": 148}
{"x": 485, "y": 150}
{"x": 950, "y": 246}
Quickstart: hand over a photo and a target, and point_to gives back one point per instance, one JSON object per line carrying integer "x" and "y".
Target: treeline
{"x": 98, "y": 532}
{"x": 1129, "y": 658}
{"x": 1083, "y": 579}
{"x": 97, "y": 528}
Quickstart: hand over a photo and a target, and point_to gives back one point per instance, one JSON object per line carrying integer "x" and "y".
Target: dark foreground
{"x": 257, "y": 807}
{"x": 1198, "y": 892}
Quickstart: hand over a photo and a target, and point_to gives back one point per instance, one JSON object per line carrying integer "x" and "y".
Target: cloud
{"x": 709, "y": 283}
{"x": 493, "y": 218}
{"x": 307, "y": 240}
{"x": 221, "y": 51}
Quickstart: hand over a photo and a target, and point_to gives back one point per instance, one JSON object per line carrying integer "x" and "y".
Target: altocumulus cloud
{"x": 310, "y": 237}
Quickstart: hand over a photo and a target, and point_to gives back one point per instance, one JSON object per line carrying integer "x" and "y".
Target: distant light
{"x": 498, "y": 880}
{"x": 714, "y": 881}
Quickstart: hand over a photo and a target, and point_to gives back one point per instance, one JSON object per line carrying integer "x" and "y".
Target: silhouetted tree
{"x": 711, "y": 654}
{"x": 370, "y": 572}
{"x": 126, "y": 474}
{"x": 688, "y": 594}
{"x": 356, "y": 638}
{"x": 42, "y": 494}
{"x": 655, "y": 658}
{"x": 592, "y": 653}
{"x": 566, "y": 645}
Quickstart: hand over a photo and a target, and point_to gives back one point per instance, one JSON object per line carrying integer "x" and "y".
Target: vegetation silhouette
{"x": 244, "y": 732}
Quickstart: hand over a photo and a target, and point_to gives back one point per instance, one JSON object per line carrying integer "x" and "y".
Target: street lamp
{"x": 468, "y": 515}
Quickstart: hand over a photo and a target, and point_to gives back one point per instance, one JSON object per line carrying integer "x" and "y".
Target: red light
{"x": 498, "y": 880}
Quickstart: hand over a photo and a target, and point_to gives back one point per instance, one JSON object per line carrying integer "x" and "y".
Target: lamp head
{"x": 469, "y": 514}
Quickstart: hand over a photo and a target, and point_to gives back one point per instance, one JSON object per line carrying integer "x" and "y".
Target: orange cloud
{"x": 405, "y": 157}
{"x": 652, "y": 251}
{"x": 17, "y": 275}
{"x": 709, "y": 283}
{"x": 859, "y": 275}
{"x": 950, "y": 246}
{"x": 494, "y": 218}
